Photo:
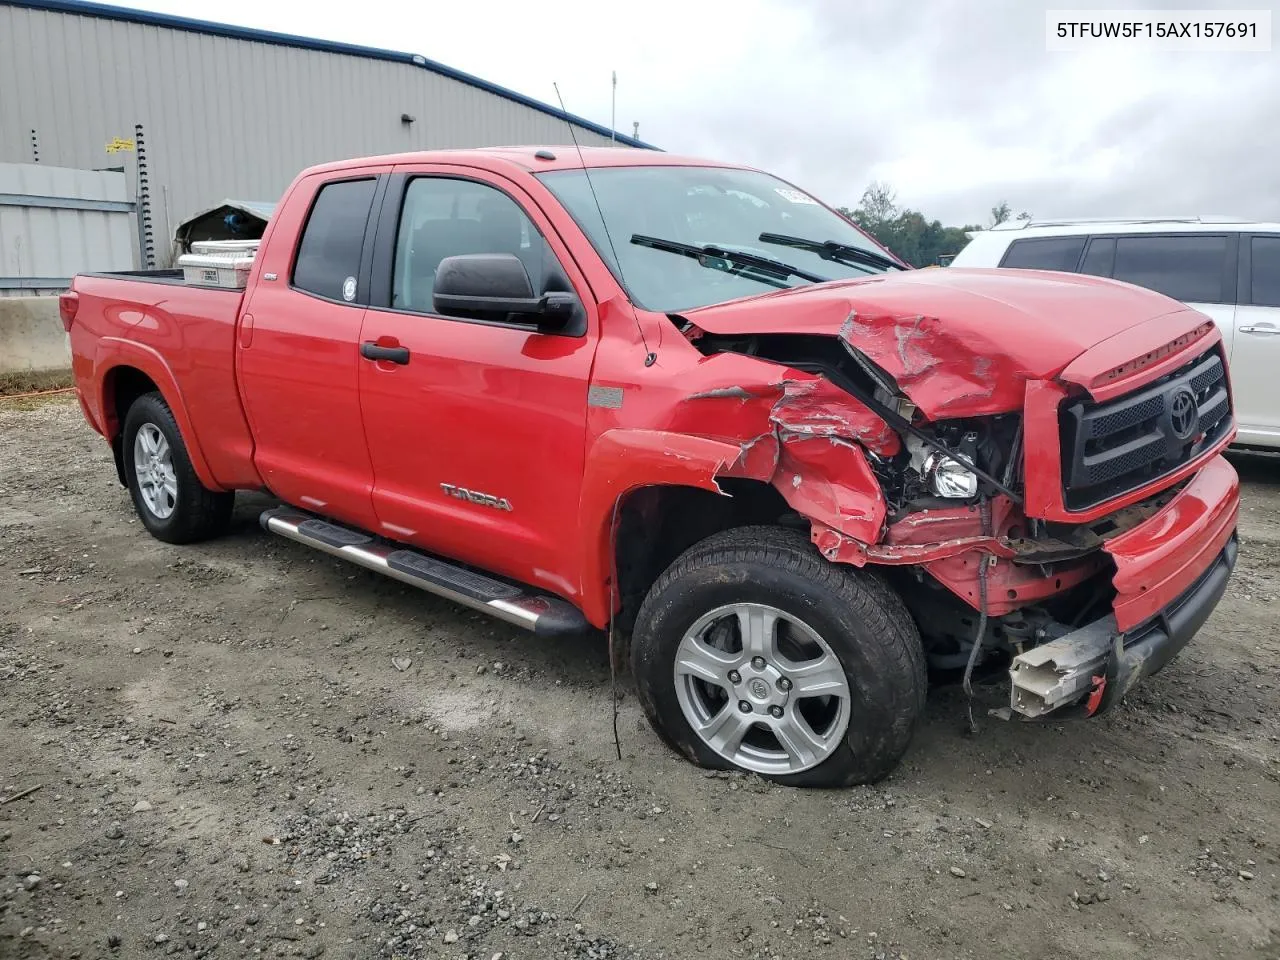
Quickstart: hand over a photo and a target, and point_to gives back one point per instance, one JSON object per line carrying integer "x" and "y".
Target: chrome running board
{"x": 538, "y": 613}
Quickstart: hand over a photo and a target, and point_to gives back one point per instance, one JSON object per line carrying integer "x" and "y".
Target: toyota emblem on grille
{"x": 1183, "y": 415}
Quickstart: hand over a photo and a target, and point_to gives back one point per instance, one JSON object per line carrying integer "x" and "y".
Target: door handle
{"x": 1265, "y": 329}
{"x": 372, "y": 351}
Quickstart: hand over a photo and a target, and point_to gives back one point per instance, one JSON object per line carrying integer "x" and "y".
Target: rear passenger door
{"x": 1255, "y": 366}
{"x": 298, "y": 351}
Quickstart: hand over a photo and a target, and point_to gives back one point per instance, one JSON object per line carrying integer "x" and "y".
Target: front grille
{"x": 1111, "y": 448}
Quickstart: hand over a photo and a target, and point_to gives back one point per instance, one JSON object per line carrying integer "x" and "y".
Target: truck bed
{"x": 148, "y": 276}
{"x": 167, "y": 277}
{"x": 175, "y": 334}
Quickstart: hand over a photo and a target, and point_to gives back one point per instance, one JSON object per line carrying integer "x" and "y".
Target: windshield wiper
{"x": 831, "y": 250}
{"x": 702, "y": 253}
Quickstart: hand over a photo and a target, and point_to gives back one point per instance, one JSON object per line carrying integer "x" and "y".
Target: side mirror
{"x": 496, "y": 284}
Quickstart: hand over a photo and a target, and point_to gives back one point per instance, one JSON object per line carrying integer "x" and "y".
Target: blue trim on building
{"x": 104, "y": 11}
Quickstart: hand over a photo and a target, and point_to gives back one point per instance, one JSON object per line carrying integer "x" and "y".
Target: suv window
{"x": 444, "y": 217}
{"x": 1044, "y": 253}
{"x": 329, "y": 252}
{"x": 1188, "y": 267}
{"x": 1265, "y": 271}
{"x": 1101, "y": 258}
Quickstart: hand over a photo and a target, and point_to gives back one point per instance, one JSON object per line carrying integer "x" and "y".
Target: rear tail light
{"x": 68, "y": 304}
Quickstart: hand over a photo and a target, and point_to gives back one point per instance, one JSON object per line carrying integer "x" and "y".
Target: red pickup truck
{"x": 621, "y": 389}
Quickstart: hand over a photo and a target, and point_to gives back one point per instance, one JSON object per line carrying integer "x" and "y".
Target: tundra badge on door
{"x": 484, "y": 499}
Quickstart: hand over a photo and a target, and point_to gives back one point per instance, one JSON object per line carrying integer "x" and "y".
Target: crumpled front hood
{"x": 959, "y": 342}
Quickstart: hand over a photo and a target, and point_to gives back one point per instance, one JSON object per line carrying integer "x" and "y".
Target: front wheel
{"x": 753, "y": 652}
{"x": 170, "y": 500}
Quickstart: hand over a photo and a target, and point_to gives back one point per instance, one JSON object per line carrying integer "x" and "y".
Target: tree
{"x": 1000, "y": 213}
{"x": 879, "y": 203}
{"x": 908, "y": 233}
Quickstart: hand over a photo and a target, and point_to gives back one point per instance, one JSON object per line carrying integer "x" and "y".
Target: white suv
{"x": 1229, "y": 270}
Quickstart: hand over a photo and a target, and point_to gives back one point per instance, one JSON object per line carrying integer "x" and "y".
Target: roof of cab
{"x": 526, "y": 158}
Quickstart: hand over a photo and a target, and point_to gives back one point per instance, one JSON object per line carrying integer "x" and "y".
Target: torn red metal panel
{"x": 839, "y": 548}
{"x": 818, "y": 408}
{"x": 793, "y": 403}
{"x": 945, "y": 374}
{"x": 828, "y": 481}
{"x": 941, "y": 524}
{"x": 621, "y": 461}
{"x": 1009, "y": 585}
{"x": 757, "y": 459}
{"x": 733, "y": 398}
{"x": 942, "y": 532}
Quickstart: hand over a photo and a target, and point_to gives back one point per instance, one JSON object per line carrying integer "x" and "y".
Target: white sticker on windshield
{"x": 795, "y": 196}
{"x": 349, "y": 289}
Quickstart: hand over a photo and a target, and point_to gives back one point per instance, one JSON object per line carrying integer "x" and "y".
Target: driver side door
{"x": 476, "y": 428}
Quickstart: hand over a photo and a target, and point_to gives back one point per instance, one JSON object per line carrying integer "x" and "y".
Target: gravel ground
{"x": 245, "y": 748}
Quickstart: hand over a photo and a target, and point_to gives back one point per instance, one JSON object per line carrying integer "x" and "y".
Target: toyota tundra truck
{"x": 689, "y": 406}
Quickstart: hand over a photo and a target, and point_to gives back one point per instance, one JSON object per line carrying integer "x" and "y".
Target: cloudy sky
{"x": 955, "y": 103}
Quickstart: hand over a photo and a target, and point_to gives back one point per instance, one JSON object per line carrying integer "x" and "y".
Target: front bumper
{"x": 1171, "y": 571}
{"x": 1143, "y": 651}
{"x": 1159, "y": 559}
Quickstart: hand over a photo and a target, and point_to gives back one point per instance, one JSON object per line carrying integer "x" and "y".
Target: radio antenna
{"x": 649, "y": 356}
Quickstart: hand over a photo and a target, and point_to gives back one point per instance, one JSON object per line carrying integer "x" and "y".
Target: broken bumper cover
{"x": 1100, "y": 661}
{"x": 1171, "y": 571}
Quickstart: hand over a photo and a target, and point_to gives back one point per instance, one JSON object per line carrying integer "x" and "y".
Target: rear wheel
{"x": 753, "y": 652}
{"x": 169, "y": 498}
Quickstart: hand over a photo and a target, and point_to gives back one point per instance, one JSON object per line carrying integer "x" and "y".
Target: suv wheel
{"x": 752, "y": 652}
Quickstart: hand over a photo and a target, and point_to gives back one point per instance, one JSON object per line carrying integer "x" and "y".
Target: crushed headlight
{"x": 949, "y": 478}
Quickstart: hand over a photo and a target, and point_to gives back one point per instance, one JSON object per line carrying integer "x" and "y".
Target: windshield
{"x": 730, "y": 211}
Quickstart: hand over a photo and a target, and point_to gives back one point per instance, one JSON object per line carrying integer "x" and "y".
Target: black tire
{"x": 858, "y": 615}
{"x": 198, "y": 513}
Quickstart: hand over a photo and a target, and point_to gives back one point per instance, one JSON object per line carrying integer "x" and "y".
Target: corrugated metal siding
{"x": 42, "y": 242}
{"x": 227, "y": 117}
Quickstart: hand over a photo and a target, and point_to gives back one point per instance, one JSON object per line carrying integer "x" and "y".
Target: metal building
{"x": 195, "y": 112}
{"x": 56, "y": 222}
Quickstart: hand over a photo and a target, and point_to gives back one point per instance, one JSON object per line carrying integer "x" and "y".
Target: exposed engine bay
{"x": 932, "y": 457}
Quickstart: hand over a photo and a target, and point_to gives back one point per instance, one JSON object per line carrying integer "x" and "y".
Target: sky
{"x": 955, "y": 104}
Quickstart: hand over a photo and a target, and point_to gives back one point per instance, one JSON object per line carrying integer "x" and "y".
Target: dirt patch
{"x": 230, "y": 764}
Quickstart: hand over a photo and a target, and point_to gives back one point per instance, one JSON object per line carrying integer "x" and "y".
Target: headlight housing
{"x": 949, "y": 478}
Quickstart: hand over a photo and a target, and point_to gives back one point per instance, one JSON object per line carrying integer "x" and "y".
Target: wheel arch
{"x": 131, "y": 372}
{"x": 629, "y": 475}
{"x": 657, "y": 523}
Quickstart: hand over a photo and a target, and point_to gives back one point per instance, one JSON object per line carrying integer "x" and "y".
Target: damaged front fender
{"x": 800, "y": 434}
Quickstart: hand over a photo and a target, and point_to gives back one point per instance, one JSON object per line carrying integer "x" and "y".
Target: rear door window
{"x": 1265, "y": 272}
{"x": 1100, "y": 259}
{"x": 1191, "y": 267}
{"x": 1044, "y": 253}
{"x": 328, "y": 261}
